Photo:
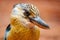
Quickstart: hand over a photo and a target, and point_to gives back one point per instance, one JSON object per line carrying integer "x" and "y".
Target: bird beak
{"x": 39, "y": 22}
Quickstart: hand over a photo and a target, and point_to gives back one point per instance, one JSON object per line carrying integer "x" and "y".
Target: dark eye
{"x": 26, "y": 13}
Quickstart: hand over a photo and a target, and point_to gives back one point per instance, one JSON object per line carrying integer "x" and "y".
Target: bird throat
{"x": 17, "y": 25}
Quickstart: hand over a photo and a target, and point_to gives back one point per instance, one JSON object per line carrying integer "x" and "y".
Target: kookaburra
{"x": 24, "y": 23}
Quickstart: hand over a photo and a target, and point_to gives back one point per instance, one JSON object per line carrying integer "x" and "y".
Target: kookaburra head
{"x": 27, "y": 13}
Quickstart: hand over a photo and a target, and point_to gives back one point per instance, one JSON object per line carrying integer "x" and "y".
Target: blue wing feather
{"x": 7, "y": 30}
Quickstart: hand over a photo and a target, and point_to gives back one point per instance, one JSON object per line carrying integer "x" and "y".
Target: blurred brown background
{"x": 49, "y": 11}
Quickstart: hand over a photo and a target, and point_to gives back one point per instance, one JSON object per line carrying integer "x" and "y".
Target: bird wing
{"x": 7, "y": 31}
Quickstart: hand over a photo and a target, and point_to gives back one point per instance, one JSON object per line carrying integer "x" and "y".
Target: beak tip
{"x": 47, "y": 27}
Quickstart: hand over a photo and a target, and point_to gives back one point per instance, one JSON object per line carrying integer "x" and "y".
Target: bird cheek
{"x": 30, "y": 25}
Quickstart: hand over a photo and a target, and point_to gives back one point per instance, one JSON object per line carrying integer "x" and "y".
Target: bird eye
{"x": 26, "y": 13}
{"x": 29, "y": 14}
